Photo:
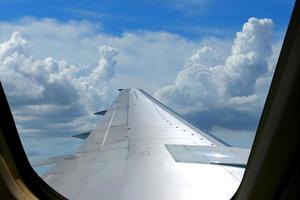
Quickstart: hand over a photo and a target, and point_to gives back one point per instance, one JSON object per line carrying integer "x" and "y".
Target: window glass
{"x": 210, "y": 61}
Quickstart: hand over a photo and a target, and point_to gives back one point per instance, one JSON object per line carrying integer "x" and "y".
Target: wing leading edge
{"x": 143, "y": 150}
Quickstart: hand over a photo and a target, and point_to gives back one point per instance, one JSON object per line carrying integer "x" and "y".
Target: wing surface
{"x": 143, "y": 150}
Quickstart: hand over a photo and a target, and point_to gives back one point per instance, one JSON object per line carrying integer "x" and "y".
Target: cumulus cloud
{"x": 57, "y": 95}
{"x": 236, "y": 85}
{"x": 145, "y": 55}
{"x": 46, "y": 93}
{"x": 97, "y": 86}
{"x": 55, "y": 78}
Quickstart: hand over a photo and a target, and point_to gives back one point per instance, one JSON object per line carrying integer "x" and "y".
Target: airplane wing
{"x": 143, "y": 150}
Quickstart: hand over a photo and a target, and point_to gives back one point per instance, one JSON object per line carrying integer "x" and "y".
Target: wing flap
{"x": 218, "y": 155}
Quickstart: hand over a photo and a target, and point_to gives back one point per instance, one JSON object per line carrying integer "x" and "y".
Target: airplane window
{"x": 95, "y": 85}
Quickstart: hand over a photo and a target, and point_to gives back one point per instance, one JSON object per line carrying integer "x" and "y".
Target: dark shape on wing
{"x": 82, "y": 135}
{"x": 100, "y": 112}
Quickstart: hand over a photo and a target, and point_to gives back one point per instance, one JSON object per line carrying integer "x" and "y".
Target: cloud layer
{"x": 154, "y": 55}
{"x": 226, "y": 92}
{"x": 55, "y": 78}
{"x": 219, "y": 84}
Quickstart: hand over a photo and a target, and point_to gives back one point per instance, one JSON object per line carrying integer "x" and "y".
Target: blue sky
{"x": 60, "y": 61}
{"x": 192, "y": 19}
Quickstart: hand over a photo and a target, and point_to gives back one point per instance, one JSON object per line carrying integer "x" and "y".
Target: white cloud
{"x": 57, "y": 95}
{"x": 238, "y": 83}
{"x": 96, "y": 87}
{"x": 144, "y": 55}
{"x": 55, "y": 79}
{"x": 49, "y": 90}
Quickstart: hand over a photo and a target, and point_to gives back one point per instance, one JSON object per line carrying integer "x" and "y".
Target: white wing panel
{"x": 126, "y": 157}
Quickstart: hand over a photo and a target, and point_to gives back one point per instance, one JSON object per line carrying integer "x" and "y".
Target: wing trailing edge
{"x": 52, "y": 160}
